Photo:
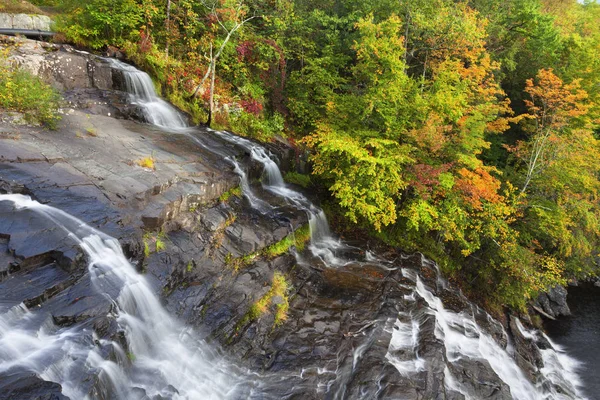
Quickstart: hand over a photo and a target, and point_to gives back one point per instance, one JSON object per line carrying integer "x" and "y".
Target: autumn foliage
{"x": 467, "y": 130}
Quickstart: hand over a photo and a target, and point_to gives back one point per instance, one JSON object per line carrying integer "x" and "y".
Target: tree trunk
{"x": 211, "y": 102}
{"x": 168, "y": 28}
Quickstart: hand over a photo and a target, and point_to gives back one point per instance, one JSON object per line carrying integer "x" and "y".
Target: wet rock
{"x": 28, "y": 386}
{"x": 528, "y": 354}
{"x": 213, "y": 218}
{"x": 479, "y": 379}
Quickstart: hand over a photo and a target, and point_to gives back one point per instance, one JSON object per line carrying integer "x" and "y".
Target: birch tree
{"x": 229, "y": 17}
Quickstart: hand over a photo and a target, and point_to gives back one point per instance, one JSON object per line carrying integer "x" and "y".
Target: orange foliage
{"x": 552, "y": 102}
{"x": 478, "y": 185}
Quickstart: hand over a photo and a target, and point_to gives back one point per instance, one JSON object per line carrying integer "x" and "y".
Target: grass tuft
{"x": 154, "y": 241}
{"x": 298, "y": 239}
{"x": 278, "y": 292}
{"x": 236, "y": 191}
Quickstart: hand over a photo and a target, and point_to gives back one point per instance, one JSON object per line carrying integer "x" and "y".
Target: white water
{"x": 322, "y": 244}
{"x": 461, "y": 335}
{"x": 162, "y": 351}
{"x": 463, "y": 338}
{"x": 141, "y": 89}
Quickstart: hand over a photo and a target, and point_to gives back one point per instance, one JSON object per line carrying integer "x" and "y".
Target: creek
{"x": 419, "y": 345}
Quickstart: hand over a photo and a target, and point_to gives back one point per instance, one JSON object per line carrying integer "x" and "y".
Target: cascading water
{"x": 141, "y": 89}
{"x": 163, "y": 358}
{"x": 323, "y": 244}
{"x": 460, "y": 333}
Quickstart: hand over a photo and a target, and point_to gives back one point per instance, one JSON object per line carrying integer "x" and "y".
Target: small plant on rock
{"x": 146, "y": 162}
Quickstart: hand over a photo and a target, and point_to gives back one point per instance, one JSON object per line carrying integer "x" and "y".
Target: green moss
{"x": 299, "y": 238}
{"x": 279, "y": 290}
{"x": 240, "y": 262}
{"x": 236, "y": 191}
{"x": 190, "y": 266}
{"x": 298, "y": 179}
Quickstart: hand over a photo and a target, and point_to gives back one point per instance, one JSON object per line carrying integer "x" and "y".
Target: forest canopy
{"x": 467, "y": 130}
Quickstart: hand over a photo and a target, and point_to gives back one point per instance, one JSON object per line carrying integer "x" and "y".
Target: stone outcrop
{"x": 87, "y": 82}
{"x": 552, "y": 304}
{"x": 25, "y": 21}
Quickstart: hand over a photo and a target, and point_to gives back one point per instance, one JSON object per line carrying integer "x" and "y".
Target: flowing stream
{"x": 140, "y": 87}
{"x": 579, "y": 333}
{"x": 460, "y": 333}
{"x": 165, "y": 358}
{"x": 162, "y": 353}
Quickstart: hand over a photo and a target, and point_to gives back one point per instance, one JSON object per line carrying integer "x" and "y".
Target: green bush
{"x": 99, "y": 23}
{"x": 24, "y": 92}
{"x": 258, "y": 127}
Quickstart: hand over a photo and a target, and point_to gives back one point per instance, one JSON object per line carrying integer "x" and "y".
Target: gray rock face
{"x": 61, "y": 66}
{"x": 554, "y": 302}
{"x": 26, "y": 385}
{"x": 25, "y": 21}
{"x": 88, "y": 82}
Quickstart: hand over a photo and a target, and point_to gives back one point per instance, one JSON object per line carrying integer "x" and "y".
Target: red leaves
{"x": 426, "y": 178}
{"x": 245, "y": 50}
{"x": 145, "y": 42}
{"x": 252, "y": 106}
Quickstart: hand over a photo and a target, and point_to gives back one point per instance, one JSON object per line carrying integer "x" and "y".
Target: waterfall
{"x": 460, "y": 333}
{"x": 141, "y": 90}
{"x": 163, "y": 354}
{"x": 164, "y": 359}
{"x": 323, "y": 244}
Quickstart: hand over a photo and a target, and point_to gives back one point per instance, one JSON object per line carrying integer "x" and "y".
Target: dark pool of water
{"x": 579, "y": 334}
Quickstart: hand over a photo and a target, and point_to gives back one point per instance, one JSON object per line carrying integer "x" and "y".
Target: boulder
{"x": 27, "y": 385}
{"x": 553, "y": 303}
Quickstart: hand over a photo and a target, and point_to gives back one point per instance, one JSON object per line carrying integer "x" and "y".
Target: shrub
{"x": 298, "y": 179}
{"x": 26, "y": 93}
{"x": 262, "y": 128}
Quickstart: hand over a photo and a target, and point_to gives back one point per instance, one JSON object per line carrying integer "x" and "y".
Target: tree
{"x": 553, "y": 107}
{"x": 356, "y": 147}
{"x": 557, "y": 169}
{"x": 230, "y": 16}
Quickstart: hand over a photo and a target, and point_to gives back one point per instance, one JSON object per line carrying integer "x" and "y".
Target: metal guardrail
{"x": 30, "y": 33}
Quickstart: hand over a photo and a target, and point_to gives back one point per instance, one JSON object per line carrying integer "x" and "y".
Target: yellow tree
{"x": 553, "y": 106}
